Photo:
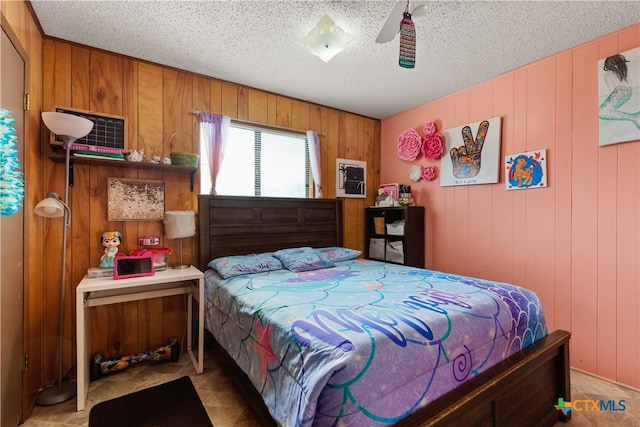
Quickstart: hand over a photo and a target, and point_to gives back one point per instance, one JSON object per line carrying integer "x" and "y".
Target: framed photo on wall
{"x": 351, "y": 178}
{"x": 526, "y": 170}
{"x": 135, "y": 199}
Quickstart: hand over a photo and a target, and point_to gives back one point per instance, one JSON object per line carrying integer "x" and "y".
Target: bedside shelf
{"x": 60, "y": 158}
{"x": 401, "y": 246}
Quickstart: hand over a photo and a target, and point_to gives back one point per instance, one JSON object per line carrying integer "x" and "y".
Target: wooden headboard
{"x": 235, "y": 225}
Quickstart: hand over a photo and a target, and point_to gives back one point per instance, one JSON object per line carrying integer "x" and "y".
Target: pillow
{"x": 337, "y": 254}
{"x": 302, "y": 259}
{"x": 245, "y": 264}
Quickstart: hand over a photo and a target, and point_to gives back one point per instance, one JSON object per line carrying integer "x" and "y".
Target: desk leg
{"x": 83, "y": 337}
{"x": 190, "y": 322}
{"x": 200, "y": 325}
{"x": 199, "y": 297}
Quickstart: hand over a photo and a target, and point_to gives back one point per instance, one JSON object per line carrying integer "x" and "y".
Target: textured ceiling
{"x": 259, "y": 43}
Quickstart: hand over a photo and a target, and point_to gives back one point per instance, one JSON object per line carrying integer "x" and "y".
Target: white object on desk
{"x": 103, "y": 291}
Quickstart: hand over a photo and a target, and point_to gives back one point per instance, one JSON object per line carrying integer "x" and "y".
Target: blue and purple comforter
{"x": 365, "y": 343}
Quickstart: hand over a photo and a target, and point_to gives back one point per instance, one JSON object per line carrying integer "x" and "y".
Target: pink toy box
{"x": 160, "y": 257}
{"x": 133, "y": 266}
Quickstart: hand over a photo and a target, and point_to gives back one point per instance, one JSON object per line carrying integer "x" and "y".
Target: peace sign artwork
{"x": 471, "y": 154}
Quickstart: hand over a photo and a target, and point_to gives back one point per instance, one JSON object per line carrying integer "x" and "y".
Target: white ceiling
{"x": 259, "y": 43}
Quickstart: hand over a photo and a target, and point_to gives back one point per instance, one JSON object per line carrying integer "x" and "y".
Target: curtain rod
{"x": 248, "y": 122}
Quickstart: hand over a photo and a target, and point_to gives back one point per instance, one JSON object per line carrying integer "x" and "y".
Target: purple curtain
{"x": 213, "y": 131}
{"x": 314, "y": 159}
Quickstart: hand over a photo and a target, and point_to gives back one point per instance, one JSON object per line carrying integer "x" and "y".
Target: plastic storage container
{"x": 160, "y": 257}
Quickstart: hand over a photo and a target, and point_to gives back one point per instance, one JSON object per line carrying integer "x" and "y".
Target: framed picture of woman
{"x": 619, "y": 97}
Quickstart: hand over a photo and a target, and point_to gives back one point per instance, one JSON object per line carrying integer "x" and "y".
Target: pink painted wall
{"x": 575, "y": 243}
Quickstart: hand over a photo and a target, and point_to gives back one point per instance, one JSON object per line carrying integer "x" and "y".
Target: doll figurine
{"x": 110, "y": 240}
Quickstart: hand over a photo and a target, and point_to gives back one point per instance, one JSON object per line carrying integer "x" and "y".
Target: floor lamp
{"x": 68, "y": 127}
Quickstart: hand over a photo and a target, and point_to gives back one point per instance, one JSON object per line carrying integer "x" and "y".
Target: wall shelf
{"x": 60, "y": 158}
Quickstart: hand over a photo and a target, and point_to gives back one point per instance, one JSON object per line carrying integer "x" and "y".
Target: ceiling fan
{"x": 392, "y": 25}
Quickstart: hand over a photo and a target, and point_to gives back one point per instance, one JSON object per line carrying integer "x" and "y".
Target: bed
{"x": 303, "y": 358}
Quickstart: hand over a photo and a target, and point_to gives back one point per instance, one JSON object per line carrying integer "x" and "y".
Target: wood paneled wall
{"x": 575, "y": 243}
{"x": 157, "y": 102}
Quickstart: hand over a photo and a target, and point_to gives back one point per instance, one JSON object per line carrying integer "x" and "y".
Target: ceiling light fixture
{"x": 327, "y": 39}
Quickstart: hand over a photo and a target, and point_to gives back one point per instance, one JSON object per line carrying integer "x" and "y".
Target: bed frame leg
{"x": 566, "y": 381}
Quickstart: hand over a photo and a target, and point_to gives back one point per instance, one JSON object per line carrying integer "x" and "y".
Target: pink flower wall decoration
{"x": 432, "y": 146}
{"x": 429, "y": 173}
{"x": 409, "y": 144}
{"x": 429, "y": 128}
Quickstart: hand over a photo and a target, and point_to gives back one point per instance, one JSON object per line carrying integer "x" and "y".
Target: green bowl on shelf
{"x": 184, "y": 159}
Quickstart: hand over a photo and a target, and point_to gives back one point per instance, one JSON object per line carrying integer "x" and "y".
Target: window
{"x": 261, "y": 162}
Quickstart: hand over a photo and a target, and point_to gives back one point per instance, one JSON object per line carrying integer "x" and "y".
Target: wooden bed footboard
{"x": 521, "y": 390}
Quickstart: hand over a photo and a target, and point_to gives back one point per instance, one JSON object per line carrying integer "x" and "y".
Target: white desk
{"x": 95, "y": 292}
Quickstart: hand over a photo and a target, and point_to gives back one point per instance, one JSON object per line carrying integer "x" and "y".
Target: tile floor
{"x": 226, "y": 407}
{"x": 224, "y": 404}
{"x": 587, "y": 387}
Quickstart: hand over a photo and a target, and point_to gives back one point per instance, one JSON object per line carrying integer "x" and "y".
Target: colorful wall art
{"x": 526, "y": 170}
{"x": 619, "y": 97}
{"x": 472, "y": 154}
{"x": 11, "y": 179}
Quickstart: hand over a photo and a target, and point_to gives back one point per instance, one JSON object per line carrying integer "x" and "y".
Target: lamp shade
{"x": 51, "y": 207}
{"x": 179, "y": 224}
{"x": 65, "y": 124}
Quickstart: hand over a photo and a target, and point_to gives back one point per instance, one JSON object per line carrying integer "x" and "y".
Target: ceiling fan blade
{"x": 392, "y": 25}
{"x": 419, "y": 10}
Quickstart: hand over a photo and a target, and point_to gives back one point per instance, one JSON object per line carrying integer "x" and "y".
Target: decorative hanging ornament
{"x": 11, "y": 184}
{"x": 407, "y": 41}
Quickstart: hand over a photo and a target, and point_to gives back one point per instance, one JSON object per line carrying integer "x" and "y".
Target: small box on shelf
{"x": 376, "y": 249}
{"x": 396, "y": 228}
{"x": 378, "y": 224}
{"x": 394, "y": 252}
